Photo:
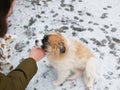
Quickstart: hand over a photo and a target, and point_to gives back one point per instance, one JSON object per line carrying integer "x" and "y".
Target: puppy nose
{"x": 36, "y": 41}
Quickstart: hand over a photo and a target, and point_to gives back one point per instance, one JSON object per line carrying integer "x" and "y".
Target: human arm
{"x": 19, "y": 78}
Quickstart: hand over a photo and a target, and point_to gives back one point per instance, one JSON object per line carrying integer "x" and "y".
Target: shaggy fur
{"x": 68, "y": 55}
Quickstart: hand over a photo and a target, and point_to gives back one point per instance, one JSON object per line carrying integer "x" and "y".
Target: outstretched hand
{"x": 37, "y": 54}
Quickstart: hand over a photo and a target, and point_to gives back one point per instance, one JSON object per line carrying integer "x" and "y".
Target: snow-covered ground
{"x": 96, "y": 23}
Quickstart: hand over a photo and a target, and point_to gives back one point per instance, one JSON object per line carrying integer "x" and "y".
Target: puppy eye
{"x": 45, "y": 41}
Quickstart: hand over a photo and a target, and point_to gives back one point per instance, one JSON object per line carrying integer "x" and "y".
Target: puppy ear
{"x": 62, "y": 48}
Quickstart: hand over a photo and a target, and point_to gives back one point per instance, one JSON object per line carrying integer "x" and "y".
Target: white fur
{"x": 82, "y": 63}
{"x": 72, "y": 63}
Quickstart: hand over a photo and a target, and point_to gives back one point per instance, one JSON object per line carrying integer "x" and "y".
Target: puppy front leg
{"x": 62, "y": 76}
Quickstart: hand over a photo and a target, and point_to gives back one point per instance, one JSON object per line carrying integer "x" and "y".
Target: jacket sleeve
{"x": 19, "y": 78}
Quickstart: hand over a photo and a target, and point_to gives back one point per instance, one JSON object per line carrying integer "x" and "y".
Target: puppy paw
{"x": 89, "y": 88}
{"x": 49, "y": 65}
{"x": 57, "y": 83}
{"x": 71, "y": 77}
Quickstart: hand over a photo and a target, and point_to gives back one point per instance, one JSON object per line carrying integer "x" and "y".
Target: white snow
{"x": 94, "y": 22}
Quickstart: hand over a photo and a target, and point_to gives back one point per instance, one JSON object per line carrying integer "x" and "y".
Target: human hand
{"x": 37, "y": 54}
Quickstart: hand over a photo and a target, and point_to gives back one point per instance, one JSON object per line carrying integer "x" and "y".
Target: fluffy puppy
{"x": 68, "y": 55}
{"x": 5, "y": 53}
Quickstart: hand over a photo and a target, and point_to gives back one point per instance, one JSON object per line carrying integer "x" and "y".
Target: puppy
{"x": 68, "y": 55}
{"x": 5, "y": 54}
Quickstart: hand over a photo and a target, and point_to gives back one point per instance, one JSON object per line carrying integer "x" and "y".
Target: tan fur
{"x": 82, "y": 51}
{"x": 76, "y": 58}
{"x": 55, "y": 40}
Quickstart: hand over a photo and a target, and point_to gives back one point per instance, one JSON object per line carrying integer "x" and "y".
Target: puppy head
{"x": 54, "y": 43}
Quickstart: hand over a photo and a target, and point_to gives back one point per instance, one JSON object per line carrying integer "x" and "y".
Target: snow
{"x": 96, "y": 23}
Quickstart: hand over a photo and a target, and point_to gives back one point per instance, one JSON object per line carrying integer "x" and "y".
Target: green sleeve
{"x": 19, "y": 78}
